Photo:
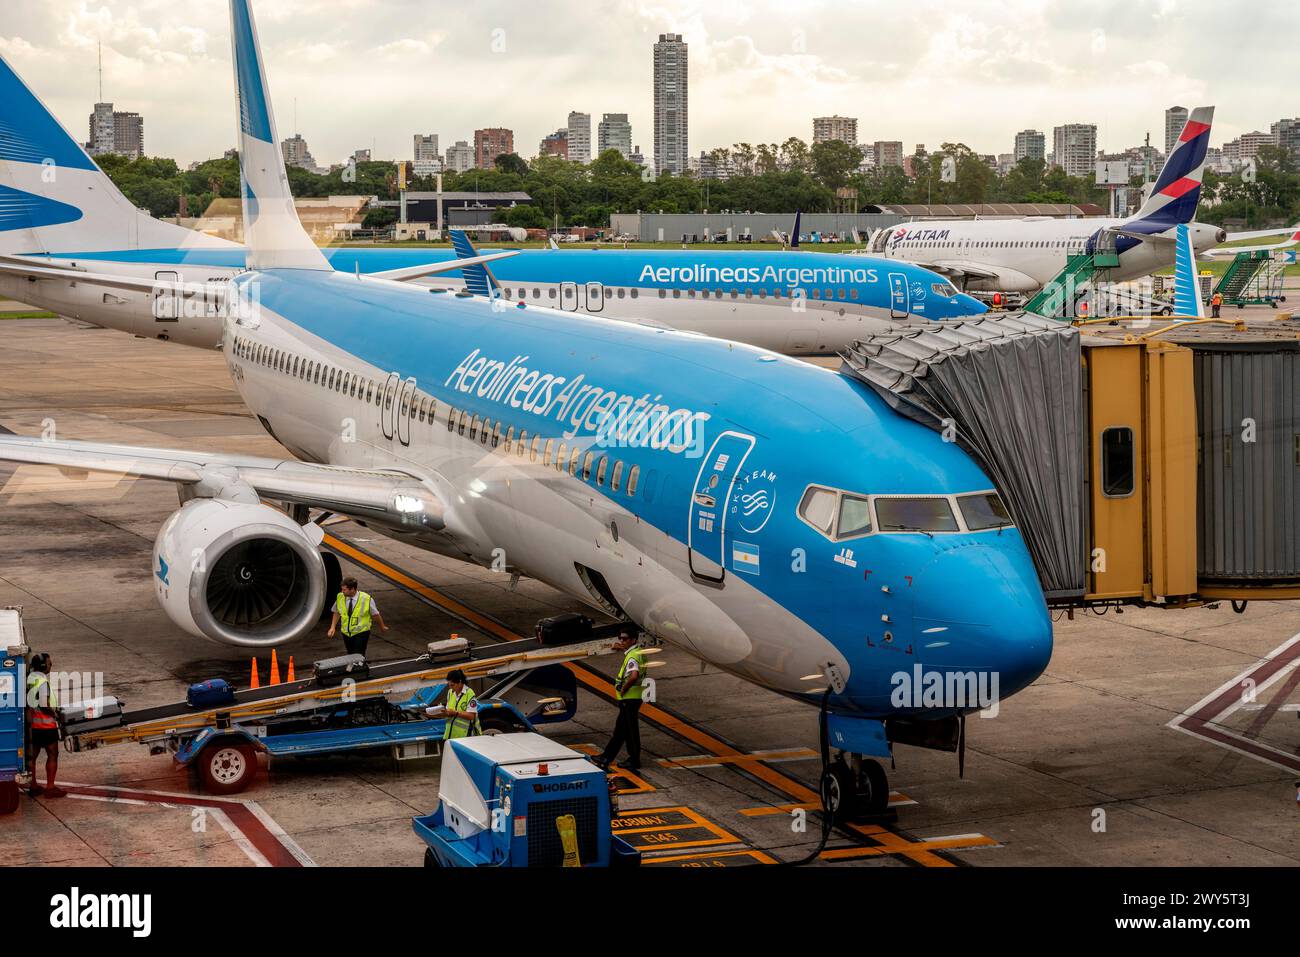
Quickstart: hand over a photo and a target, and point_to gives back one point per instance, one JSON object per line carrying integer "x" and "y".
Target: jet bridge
{"x": 1144, "y": 464}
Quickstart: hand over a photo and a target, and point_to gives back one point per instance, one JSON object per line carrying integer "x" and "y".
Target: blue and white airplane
{"x": 59, "y": 215}
{"x": 773, "y": 518}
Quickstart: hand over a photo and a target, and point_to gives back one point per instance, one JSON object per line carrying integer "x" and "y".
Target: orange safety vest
{"x": 42, "y": 712}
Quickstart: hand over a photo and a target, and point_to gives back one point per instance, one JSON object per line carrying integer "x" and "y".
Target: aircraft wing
{"x": 1228, "y": 252}
{"x": 960, "y": 270}
{"x": 14, "y": 266}
{"x": 360, "y": 493}
{"x": 1263, "y": 234}
{"x": 407, "y": 273}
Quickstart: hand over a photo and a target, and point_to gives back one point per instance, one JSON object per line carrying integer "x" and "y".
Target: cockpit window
{"x": 945, "y": 289}
{"x": 984, "y": 511}
{"x": 855, "y": 518}
{"x": 818, "y": 508}
{"x": 915, "y": 515}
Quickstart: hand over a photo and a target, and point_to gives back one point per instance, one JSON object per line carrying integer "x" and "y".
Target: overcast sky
{"x": 373, "y": 72}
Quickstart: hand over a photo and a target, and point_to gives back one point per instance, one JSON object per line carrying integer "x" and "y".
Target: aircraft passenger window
{"x": 622, "y": 294}
{"x": 830, "y": 293}
{"x": 510, "y": 439}
{"x": 586, "y": 466}
{"x": 405, "y": 402}
{"x": 522, "y": 446}
{"x": 817, "y": 293}
{"x": 984, "y": 511}
{"x": 617, "y": 477}
{"x": 423, "y": 408}
{"x": 663, "y": 293}
{"x": 537, "y": 293}
{"x": 677, "y": 294}
{"x": 464, "y": 419}
{"x": 573, "y": 462}
{"x": 632, "y": 477}
{"x": 749, "y": 294}
{"x": 818, "y": 508}
{"x": 433, "y": 410}
{"x": 853, "y": 293}
{"x": 451, "y": 419}
{"x": 473, "y": 427}
{"x": 690, "y": 293}
{"x": 330, "y": 383}
{"x": 601, "y": 468}
{"x": 532, "y": 452}
{"x": 1117, "y": 463}
{"x": 496, "y": 435}
{"x": 550, "y": 448}
{"x": 485, "y": 432}
{"x": 634, "y": 293}
{"x": 762, "y": 294}
{"x": 550, "y": 293}
{"x": 735, "y": 294}
{"x": 855, "y": 518}
{"x": 843, "y": 294}
{"x": 915, "y": 515}
{"x": 562, "y": 457}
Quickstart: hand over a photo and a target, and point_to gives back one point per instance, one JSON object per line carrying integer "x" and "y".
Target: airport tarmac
{"x": 1135, "y": 748}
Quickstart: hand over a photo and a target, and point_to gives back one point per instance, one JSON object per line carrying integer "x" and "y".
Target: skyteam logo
{"x": 753, "y": 500}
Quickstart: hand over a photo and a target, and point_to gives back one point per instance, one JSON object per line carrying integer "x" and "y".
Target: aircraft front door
{"x": 388, "y": 413}
{"x": 595, "y": 297}
{"x": 403, "y": 411}
{"x": 569, "y": 296}
{"x": 707, "y": 530}
{"x": 899, "y": 296}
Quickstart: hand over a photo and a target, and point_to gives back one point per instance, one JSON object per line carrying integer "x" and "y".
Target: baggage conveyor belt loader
{"x": 375, "y": 707}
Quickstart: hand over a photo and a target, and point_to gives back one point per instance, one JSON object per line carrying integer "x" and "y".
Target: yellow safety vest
{"x": 633, "y": 693}
{"x": 42, "y": 710}
{"x": 460, "y": 727}
{"x": 360, "y": 620}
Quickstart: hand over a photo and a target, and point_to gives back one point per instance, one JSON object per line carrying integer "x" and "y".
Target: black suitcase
{"x": 334, "y": 671}
{"x": 568, "y": 629}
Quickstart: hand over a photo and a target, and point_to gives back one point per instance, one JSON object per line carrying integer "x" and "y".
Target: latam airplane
{"x": 1024, "y": 255}
{"x": 59, "y": 215}
{"x": 775, "y": 519}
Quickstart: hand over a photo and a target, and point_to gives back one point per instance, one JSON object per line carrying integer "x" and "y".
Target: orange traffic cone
{"x": 253, "y": 683}
{"x": 274, "y": 678}
{"x": 289, "y": 674}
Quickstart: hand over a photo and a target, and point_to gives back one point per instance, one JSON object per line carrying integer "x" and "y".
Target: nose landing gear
{"x": 856, "y": 791}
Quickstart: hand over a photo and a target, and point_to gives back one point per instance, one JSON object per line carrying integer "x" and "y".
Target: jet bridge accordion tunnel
{"x": 1144, "y": 464}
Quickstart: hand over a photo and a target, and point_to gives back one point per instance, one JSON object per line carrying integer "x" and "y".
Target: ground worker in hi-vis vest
{"x": 353, "y": 612}
{"x": 42, "y": 713}
{"x": 628, "y": 687}
{"x": 460, "y": 710}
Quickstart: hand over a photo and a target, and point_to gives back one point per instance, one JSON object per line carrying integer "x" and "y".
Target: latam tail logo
{"x": 19, "y": 210}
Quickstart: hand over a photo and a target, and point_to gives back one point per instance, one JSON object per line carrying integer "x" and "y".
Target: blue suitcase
{"x": 210, "y": 694}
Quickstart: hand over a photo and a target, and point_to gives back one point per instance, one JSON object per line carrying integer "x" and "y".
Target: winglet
{"x": 272, "y": 231}
{"x": 478, "y": 279}
{"x": 1187, "y": 284}
{"x": 794, "y": 236}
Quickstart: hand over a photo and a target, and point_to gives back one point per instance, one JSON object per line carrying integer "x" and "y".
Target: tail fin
{"x": 1188, "y": 303}
{"x": 798, "y": 222}
{"x": 478, "y": 279}
{"x": 1177, "y": 192}
{"x": 272, "y": 231}
{"x": 54, "y": 199}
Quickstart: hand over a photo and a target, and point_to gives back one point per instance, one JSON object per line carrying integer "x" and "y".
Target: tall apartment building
{"x": 671, "y": 104}
{"x": 614, "y": 132}
{"x": 115, "y": 132}
{"x": 557, "y": 144}
{"x": 1075, "y": 147}
{"x": 491, "y": 143}
{"x": 1030, "y": 144}
{"x": 580, "y": 137}
{"x": 842, "y": 128}
{"x": 888, "y": 153}
{"x": 428, "y": 160}
{"x": 1175, "y": 120}
{"x": 297, "y": 154}
{"x": 459, "y": 157}
{"x": 1286, "y": 134}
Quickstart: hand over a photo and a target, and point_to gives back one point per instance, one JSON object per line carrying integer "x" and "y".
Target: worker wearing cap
{"x": 1216, "y": 304}
{"x": 42, "y": 711}
{"x": 461, "y": 708}
{"x": 353, "y": 612}
{"x": 628, "y": 688}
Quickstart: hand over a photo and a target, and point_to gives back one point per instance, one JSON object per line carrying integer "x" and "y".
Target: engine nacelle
{"x": 239, "y": 573}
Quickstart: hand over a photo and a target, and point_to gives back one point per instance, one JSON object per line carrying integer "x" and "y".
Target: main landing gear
{"x": 856, "y": 790}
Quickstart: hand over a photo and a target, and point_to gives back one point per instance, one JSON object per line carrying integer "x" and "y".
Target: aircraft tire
{"x": 873, "y": 789}
{"x": 838, "y": 793}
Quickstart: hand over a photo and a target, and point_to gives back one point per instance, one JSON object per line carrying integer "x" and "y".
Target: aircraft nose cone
{"x": 970, "y": 306}
{"x": 980, "y": 608}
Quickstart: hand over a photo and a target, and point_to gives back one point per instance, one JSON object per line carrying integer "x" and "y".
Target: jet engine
{"x": 239, "y": 573}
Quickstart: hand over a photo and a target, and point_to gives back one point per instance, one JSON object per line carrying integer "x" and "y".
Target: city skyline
{"x": 174, "y": 75}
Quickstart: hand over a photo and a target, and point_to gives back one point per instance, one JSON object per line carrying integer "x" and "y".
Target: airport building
{"x": 614, "y": 132}
{"x": 490, "y": 143}
{"x": 1075, "y": 148}
{"x": 842, "y": 128}
{"x": 115, "y": 132}
{"x": 671, "y": 105}
{"x": 579, "y": 130}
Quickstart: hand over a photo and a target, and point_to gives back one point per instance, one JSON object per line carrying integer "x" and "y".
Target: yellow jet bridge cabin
{"x": 1146, "y": 462}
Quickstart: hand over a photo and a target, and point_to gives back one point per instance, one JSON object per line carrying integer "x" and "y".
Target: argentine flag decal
{"x": 744, "y": 558}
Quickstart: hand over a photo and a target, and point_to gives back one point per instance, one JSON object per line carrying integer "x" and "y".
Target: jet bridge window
{"x": 984, "y": 511}
{"x": 1117, "y": 463}
{"x": 915, "y": 515}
